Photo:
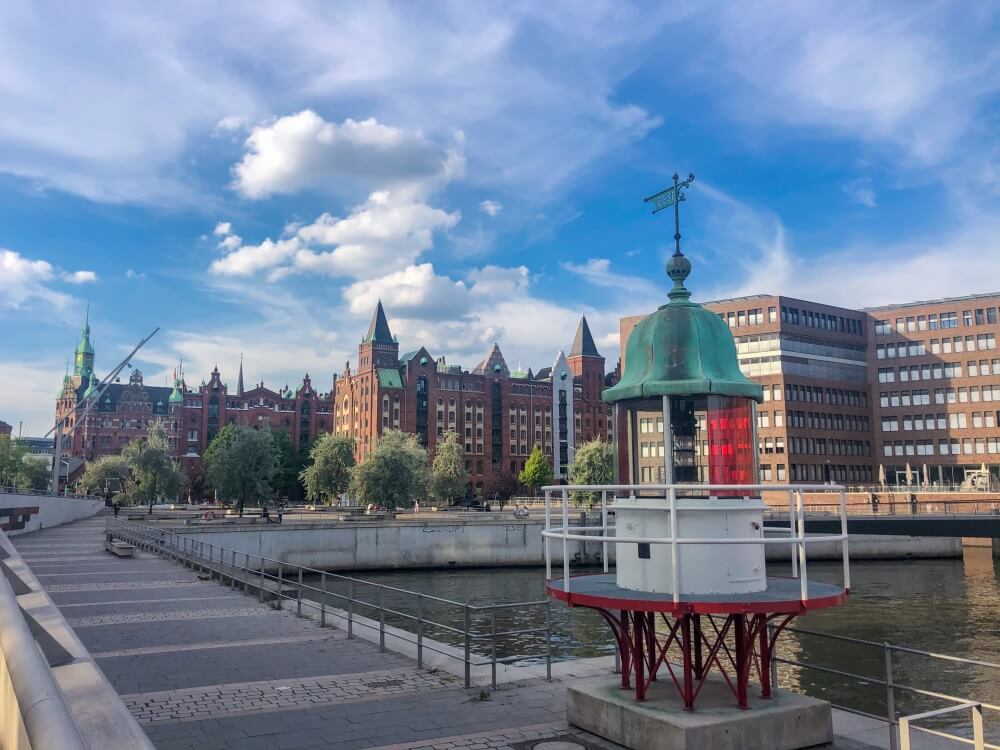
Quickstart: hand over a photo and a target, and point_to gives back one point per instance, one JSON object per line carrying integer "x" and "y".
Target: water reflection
{"x": 945, "y": 606}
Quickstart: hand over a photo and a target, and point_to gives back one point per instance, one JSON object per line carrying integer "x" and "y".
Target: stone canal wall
{"x": 480, "y": 543}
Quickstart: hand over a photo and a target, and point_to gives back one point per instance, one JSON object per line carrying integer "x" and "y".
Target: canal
{"x": 946, "y": 606}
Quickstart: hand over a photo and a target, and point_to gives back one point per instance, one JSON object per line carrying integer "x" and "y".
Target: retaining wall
{"x": 21, "y": 513}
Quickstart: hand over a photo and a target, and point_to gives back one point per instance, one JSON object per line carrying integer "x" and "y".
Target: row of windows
{"x": 945, "y": 447}
{"x": 939, "y": 421}
{"x": 940, "y": 370}
{"x": 829, "y": 447}
{"x": 821, "y": 320}
{"x": 979, "y": 316}
{"x": 828, "y": 472}
{"x": 898, "y": 350}
{"x": 832, "y": 396}
{"x": 813, "y": 420}
{"x": 960, "y": 395}
{"x": 767, "y": 475}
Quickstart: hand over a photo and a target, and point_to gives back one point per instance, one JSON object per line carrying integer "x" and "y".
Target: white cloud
{"x": 491, "y": 207}
{"x": 28, "y": 393}
{"x": 79, "y": 277}
{"x": 223, "y": 229}
{"x": 247, "y": 260}
{"x": 23, "y": 281}
{"x": 862, "y": 192}
{"x": 133, "y": 274}
{"x": 304, "y": 151}
{"x": 414, "y": 291}
{"x": 597, "y": 271}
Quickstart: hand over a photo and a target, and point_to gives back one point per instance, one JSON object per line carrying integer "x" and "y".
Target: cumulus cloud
{"x": 415, "y": 290}
{"x": 305, "y": 151}
{"x": 133, "y": 274}
{"x": 23, "y": 281}
{"x": 491, "y": 207}
{"x": 247, "y": 260}
{"x": 79, "y": 277}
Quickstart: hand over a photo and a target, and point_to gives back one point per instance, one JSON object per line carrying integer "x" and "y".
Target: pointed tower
{"x": 379, "y": 348}
{"x": 83, "y": 358}
{"x": 586, "y": 362}
{"x": 563, "y": 433}
{"x": 494, "y": 364}
{"x": 239, "y": 381}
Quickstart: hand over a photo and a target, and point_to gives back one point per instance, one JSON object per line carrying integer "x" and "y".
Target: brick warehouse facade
{"x": 499, "y": 415}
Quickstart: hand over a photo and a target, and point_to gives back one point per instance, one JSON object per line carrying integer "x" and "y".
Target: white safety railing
{"x": 796, "y": 524}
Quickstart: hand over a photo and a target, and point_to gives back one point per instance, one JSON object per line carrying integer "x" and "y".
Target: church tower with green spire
{"x": 83, "y": 359}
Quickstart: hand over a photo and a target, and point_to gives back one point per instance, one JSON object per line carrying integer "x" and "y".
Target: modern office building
{"x": 935, "y": 381}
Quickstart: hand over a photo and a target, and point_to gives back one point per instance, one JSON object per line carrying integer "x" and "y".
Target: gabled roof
{"x": 389, "y": 378}
{"x": 494, "y": 364}
{"x": 583, "y": 344}
{"x": 378, "y": 329}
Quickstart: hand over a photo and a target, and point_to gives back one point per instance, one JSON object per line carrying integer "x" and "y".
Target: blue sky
{"x": 252, "y": 177}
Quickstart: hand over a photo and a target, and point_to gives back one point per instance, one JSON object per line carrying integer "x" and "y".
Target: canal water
{"x": 950, "y": 607}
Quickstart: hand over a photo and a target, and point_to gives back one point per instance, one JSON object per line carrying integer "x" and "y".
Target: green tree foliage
{"x": 154, "y": 475}
{"x": 449, "y": 479}
{"x": 394, "y": 475}
{"x": 240, "y": 464}
{"x": 104, "y": 474}
{"x": 500, "y": 486}
{"x": 12, "y": 453}
{"x": 329, "y": 474}
{"x": 537, "y": 471}
{"x": 34, "y": 475}
{"x": 593, "y": 463}
{"x": 289, "y": 465}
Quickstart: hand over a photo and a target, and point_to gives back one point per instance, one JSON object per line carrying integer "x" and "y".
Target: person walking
{"x": 115, "y": 507}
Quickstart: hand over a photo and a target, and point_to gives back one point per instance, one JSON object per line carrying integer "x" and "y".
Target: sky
{"x": 253, "y": 177}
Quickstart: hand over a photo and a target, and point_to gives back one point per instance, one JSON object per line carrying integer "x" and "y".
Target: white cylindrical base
{"x": 702, "y": 568}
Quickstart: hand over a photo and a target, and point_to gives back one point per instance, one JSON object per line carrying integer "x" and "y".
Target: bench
{"x": 121, "y": 549}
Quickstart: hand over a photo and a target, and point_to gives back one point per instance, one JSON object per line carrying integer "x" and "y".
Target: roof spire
{"x": 378, "y": 329}
{"x": 583, "y": 344}
{"x": 239, "y": 382}
{"x": 678, "y": 267}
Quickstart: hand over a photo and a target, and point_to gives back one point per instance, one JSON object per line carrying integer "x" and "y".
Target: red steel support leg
{"x": 626, "y": 650}
{"x": 764, "y": 655}
{"x": 699, "y": 669}
{"x": 742, "y": 663}
{"x": 687, "y": 692}
{"x": 639, "y": 658}
{"x": 651, "y": 650}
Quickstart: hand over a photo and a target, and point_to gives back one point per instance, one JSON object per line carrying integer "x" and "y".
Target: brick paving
{"x": 204, "y": 667}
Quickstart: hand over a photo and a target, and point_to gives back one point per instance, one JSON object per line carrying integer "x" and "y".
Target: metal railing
{"x": 905, "y": 508}
{"x": 899, "y": 727}
{"x": 796, "y": 514}
{"x": 475, "y": 628}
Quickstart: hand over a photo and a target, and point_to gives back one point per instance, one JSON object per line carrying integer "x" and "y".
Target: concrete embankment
{"x": 24, "y": 512}
{"x": 450, "y": 543}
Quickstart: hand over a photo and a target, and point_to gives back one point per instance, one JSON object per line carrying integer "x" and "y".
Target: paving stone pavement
{"x": 203, "y": 667}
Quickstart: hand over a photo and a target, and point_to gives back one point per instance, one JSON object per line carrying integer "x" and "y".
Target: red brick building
{"x": 499, "y": 415}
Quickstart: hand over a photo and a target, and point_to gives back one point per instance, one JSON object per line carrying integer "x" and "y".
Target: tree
{"x": 12, "y": 453}
{"x": 33, "y": 475}
{"x": 106, "y": 473}
{"x": 240, "y": 464}
{"x": 500, "y": 486}
{"x": 537, "y": 471}
{"x": 593, "y": 463}
{"x": 449, "y": 479}
{"x": 393, "y": 475}
{"x": 289, "y": 465}
{"x": 151, "y": 466}
{"x": 329, "y": 474}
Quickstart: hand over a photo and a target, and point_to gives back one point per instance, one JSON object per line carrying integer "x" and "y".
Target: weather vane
{"x": 672, "y": 196}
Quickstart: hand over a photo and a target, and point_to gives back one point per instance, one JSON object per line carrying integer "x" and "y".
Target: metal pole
{"x": 548, "y": 551}
{"x": 801, "y": 518}
{"x": 322, "y": 601}
{"x": 260, "y": 590}
{"x": 548, "y": 640}
{"x": 774, "y": 656}
{"x": 565, "y": 541}
{"x": 845, "y": 555}
{"x": 299, "y": 602}
{"x": 674, "y": 574}
{"x": 420, "y": 631}
{"x": 604, "y": 524}
{"x": 468, "y": 647}
{"x": 493, "y": 646}
{"x": 350, "y": 608}
{"x": 668, "y": 444}
{"x": 791, "y": 532}
{"x": 890, "y": 696}
{"x": 381, "y": 618}
{"x": 232, "y": 576}
{"x": 280, "y": 577}
{"x": 978, "y": 733}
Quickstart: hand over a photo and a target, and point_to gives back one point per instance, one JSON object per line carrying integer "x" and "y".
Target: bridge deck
{"x": 985, "y": 525}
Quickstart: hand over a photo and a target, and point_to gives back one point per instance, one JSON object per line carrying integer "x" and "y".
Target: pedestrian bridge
{"x": 984, "y": 524}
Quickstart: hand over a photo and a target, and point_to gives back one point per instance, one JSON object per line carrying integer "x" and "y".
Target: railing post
{"x": 978, "y": 733}
{"x": 604, "y": 532}
{"x": 844, "y": 552}
{"x": 350, "y": 608}
{"x": 468, "y": 647}
{"x": 548, "y": 639}
{"x": 565, "y": 541}
{"x": 260, "y": 588}
{"x": 322, "y": 600}
{"x": 280, "y": 577}
{"x": 381, "y": 618}
{"x": 232, "y": 573}
{"x": 246, "y": 577}
{"x": 801, "y": 545}
{"x": 791, "y": 533}
{"x": 493, "y": 646}
{"x": 299, "y": 598}
{"x": 674, "y": 564}
{"x": 420, "y": 631}
{"x": 548, "y": 551}
{"x": 773, "y": 641}
{"x": 890, "y": 696}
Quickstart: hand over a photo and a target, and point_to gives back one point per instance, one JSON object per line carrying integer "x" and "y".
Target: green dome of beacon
{"x": 682, "y": 349}
{"x": 176, "y": 397}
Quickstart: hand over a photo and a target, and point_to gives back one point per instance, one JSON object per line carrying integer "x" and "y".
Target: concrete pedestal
{"x": 786, "y": 722}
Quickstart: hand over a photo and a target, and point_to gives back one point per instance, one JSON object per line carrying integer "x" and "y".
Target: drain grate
{"x": 559, "y": 742}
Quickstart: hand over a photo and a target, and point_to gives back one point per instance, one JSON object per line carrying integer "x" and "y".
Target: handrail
{"x": 46, "y": 719}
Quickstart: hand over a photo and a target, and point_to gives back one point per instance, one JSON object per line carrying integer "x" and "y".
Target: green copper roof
{"x": 378, "y": 329}
{"x": 389, "y": 378}
{"x": 681, "y": 349}
{"x": 176, "y": 397}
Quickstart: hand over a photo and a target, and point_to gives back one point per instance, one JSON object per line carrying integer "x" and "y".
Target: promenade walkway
{"x": 206, "y": 668}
